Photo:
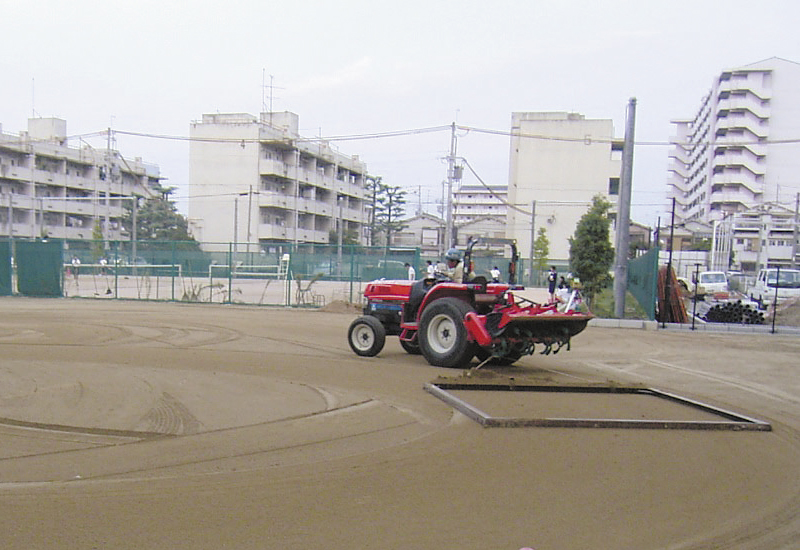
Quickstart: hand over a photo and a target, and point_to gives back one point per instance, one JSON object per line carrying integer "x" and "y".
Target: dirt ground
{"x": 187, "y": 426}
{"x": 788, "y": 313}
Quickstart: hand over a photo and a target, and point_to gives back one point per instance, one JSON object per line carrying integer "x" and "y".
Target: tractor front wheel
{"x": 443, "y": 337}
{"x": 366, "y": 336}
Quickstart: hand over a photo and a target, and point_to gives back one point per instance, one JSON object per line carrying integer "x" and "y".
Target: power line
{"x": 433, "y": 129}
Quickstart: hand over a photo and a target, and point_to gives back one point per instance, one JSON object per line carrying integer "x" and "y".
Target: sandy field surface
{"x": 139, "y": 425}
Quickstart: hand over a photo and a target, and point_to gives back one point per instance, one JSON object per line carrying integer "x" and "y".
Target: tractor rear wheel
{"x": 443, "y": 337}
{"x": 366, "y": 336}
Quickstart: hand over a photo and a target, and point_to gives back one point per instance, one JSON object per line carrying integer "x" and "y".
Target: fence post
{"x": 352, "y": 266}
{"x": 289, "y": 276}
{"x": 230, "y": 273}
{"x": 172, "y": 271}
{"x": 116, "y": 270}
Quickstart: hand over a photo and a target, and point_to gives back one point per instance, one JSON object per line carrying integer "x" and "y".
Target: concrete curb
{"x": 638, "y": 324}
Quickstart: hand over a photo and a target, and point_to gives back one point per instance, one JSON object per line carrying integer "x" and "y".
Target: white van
{"x": 764, "y": 288}
{"x": 712, "y": 282}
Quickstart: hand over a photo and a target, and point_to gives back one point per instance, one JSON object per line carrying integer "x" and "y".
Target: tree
{"x": 349, "y": 237}
{"x": 158, "y": 219}
{"x": 373, "y": 187}
{"x": 590, "y": 252}
{"x": 388, "y": 209}
{"x": 97, "y": 241}
{"x": 541, "y": 250}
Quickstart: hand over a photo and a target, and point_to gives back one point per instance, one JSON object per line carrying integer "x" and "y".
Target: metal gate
{"x": 39, "y": 267}
{"x": 5, "y": 268}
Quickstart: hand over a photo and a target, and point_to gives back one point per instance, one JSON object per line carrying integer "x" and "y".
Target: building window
{"x": 613, "y": 186}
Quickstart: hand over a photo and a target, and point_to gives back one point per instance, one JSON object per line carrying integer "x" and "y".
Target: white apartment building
{"x": 255, "y": 180}
{"x": 49, "y": 189}
{"x": 764, "y": 236}
{"x": 733, "y": 154}
{"x": 561, "y": 161}
{"x": 471, "y": 202}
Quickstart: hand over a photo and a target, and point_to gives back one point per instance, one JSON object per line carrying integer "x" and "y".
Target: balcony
{"x": 750, "y": 104}
{"x": 750, "y": 126}
{"x": 268, "y": 199}
{"x": 758, "y": 90}
{"x": 743, "y": 179}
{"x": 21, "y": 173}
{"x": 85, "y": 184}
{"x": 748, "y": 162}
{"x": 730, "y": 198}
{"x": 353, "y": 215}
{"x": 271, "y": 167}
{"x": 309, "y": 235}
{"x": 271, "y": 231}
{"x": 311, "y": 206}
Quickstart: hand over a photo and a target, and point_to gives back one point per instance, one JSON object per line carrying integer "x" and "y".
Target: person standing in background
{"x": 552, "y": 278}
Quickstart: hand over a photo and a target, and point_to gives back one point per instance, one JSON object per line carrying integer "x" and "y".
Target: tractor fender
{"x": 477, "y": 330}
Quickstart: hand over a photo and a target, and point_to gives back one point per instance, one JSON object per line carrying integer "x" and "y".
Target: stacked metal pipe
{"x": 734, "y": 312}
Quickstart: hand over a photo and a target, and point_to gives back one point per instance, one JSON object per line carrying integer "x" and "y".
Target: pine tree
{"x": 388, "y": 210}
{"x": 158, "y": 219}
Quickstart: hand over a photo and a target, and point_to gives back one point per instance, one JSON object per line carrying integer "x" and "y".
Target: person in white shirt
{"x": 431, "y": 269}
{"x": 412, "y": 273}
{"x": 495, "y": 274}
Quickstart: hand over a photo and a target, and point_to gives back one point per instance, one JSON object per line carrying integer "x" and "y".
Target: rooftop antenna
{"x": 264, "y": 88}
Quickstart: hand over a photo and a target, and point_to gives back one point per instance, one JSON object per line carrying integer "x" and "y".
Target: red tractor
{"x": 450, "y": 323}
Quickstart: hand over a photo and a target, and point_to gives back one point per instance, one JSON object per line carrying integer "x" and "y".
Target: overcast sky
{"x": 368, "y": 66}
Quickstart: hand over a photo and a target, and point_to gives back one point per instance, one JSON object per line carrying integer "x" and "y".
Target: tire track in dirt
{"x": 768, "y": 529}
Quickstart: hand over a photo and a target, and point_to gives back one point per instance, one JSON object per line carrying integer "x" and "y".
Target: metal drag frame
{"x": 735, "y": 421}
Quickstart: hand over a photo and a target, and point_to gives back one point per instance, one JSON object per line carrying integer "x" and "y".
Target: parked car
{"x": 768, "y": 284}
{"x": 708, "y": 282}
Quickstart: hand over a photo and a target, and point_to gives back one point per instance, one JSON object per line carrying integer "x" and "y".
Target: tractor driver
{"x": 455, "y": 267}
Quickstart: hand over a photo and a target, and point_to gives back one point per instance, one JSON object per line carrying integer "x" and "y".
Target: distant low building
{"x": 471, "y": 202}
{"x": 481, "y": 226}
{"x": 49, "y": 189}
{"x": 256, "y": 180}
{"x": 763, "y": 237}
{"x": 423, "y": 231}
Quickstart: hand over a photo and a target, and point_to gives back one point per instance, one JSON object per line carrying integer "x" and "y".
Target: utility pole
{"x": 296, "y": 184}
{"x": 668, "y": 278}
{"x": 451, "y": 168}
{"x": 624, "y": 214}
{"x": 533, "y": 239}
{"x": 235, "y": 223}
{"x": 10, "y": 217}
{"x": 134, "y": 236}
{"x": 339, "y": 200}
{"x": 109, "y": 178}
{"x": 796, "y": 229}
{"x": 249, "y": 214}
